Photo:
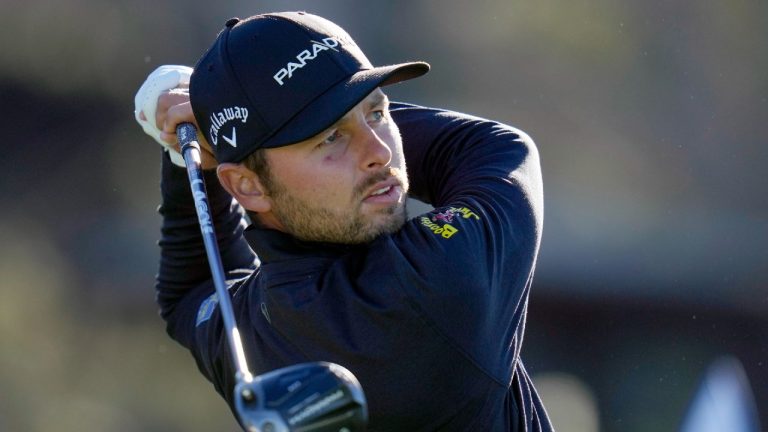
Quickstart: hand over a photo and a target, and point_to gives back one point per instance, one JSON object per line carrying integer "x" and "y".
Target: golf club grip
{"x": 187, "y": 136}
{"x": 190, "y": 149}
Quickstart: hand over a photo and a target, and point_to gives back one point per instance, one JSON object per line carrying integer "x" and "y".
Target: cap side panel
{"x": 238, "y": 80}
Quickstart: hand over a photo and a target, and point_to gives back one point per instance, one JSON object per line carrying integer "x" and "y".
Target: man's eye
{"x": 331, "y": 138}
{"x": 377, "y": 116}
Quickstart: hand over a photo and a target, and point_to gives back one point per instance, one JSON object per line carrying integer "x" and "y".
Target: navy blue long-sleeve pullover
{"x": 430, "y": 319}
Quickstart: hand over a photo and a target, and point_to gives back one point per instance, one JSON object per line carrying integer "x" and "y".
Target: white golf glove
{"x": 161, "y": 79}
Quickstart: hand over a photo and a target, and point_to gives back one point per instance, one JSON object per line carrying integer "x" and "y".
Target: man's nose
{"x": 375, "y": 151}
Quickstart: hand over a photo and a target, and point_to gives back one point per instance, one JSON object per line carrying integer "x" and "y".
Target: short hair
{"x": 258, "y": 163}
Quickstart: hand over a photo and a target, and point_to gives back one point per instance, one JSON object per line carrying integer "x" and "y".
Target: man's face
{"x": 347, "y": 184}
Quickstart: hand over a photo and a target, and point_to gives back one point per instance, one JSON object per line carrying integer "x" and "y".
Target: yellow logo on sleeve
{"x": 446, "y": 230}
{"x": 440, "y": 223}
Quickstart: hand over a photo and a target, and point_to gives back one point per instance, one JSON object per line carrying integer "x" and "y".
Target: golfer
{"x": 308, "y": 166}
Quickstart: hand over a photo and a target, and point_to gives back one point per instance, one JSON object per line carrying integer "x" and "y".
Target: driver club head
{"x": 308, "y": 397}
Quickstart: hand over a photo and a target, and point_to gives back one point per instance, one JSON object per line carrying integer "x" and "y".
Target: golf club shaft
{"x": 190, "y": 149}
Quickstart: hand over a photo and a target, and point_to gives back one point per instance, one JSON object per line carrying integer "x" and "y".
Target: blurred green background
{"x": 651, "y": 118}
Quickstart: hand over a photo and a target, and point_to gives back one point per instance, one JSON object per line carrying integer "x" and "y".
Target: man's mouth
{"x": 381, "y": 191}
{"x": 384, "y": 188}
{"x": 387, "y": 192}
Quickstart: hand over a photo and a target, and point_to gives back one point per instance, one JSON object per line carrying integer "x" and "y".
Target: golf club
{"x": 308, "y": 397}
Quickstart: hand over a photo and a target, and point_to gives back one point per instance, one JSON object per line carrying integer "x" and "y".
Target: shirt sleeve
{"x": 468, "y": 264}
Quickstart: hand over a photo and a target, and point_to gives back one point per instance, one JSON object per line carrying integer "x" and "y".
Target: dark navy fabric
{"x": 430, "y": 319}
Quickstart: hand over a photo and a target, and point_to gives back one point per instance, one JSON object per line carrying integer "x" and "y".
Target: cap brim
{"x": 333, "y": 104}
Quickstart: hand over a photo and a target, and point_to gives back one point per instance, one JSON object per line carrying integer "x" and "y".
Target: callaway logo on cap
{"x": 221, "y": 118}
{"x": 277, "y": 79}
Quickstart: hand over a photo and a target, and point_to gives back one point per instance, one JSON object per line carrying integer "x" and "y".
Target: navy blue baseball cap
{"x": 276, "y": 79}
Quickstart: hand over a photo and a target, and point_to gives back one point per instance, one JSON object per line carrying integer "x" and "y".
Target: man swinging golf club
{"x": 429, "y": 312}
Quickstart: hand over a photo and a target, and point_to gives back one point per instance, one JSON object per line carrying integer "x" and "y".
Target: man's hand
{"x": 161, "y": 103}
{"x": 173, "y": 108}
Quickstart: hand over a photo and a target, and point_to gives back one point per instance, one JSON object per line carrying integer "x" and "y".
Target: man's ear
{"x": 244, "y": 185}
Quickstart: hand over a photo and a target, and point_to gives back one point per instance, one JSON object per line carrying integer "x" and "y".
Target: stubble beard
{"x": 315, "y": 222}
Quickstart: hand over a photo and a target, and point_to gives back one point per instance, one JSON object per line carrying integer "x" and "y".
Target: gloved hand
{"x": 162, "y": 79}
